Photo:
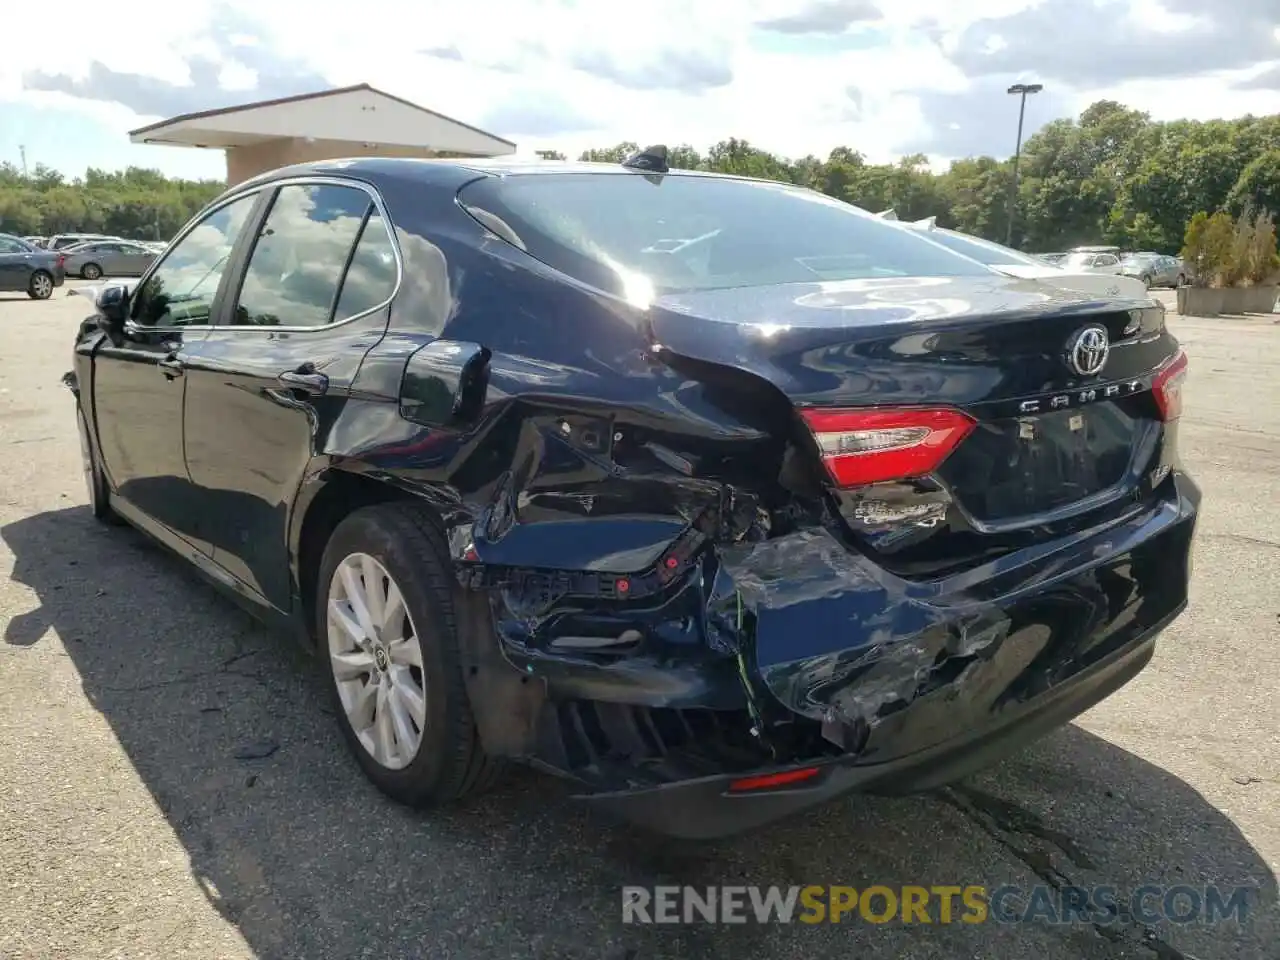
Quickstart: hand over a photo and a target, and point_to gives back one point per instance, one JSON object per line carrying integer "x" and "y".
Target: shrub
{"x": 1221, "y": 252}
{"x": 1262, "y": 261}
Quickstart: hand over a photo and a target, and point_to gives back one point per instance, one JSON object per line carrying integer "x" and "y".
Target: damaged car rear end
{"x": 768, "y": 501}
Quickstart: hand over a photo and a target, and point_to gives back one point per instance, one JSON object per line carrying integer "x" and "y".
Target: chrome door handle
{"x": 312, "y": 383}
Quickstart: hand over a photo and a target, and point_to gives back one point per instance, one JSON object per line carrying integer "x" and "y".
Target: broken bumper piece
{"x": 714, "y": 807}
{"x": 915, "y": 685}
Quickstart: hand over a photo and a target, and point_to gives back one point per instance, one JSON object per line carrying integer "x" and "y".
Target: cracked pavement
{"x": 171, "y": 785}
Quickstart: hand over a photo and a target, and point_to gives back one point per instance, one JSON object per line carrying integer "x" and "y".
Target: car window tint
{"x": 181, "y": 289}
{"x": 298, "y": 258}
{"x": 11, "y": 246}
{"x": 626, "y": 232}
{"x": 371, "y": 277}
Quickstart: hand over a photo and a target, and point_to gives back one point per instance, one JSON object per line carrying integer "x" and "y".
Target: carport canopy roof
{"x": 358, "y": 114}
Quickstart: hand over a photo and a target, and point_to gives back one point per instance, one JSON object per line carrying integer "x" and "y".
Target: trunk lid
{"x": 1092, "y": 284}
{"x": 1049, "y": 442}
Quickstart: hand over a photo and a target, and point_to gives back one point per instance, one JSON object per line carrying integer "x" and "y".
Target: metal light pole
{"x": 1022, "y": 90}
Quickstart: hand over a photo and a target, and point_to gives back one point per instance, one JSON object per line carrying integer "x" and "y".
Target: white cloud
{"x": 577, "y": 73}
{"x": 236, "y": 76}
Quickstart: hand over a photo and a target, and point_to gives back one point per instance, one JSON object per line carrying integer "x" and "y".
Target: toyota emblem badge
{"x": 1088, "y": 350}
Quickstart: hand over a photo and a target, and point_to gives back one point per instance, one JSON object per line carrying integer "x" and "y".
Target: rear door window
{"x": 678, "y": 233}
{"x": 298, "y": 259}
{"x": 371, "y": 276}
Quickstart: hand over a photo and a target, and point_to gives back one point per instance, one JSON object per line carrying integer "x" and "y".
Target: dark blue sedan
{"x": 26, "y": 268}
{"x": 714, "y": 496}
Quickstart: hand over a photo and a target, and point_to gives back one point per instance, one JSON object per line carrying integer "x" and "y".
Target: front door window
{"x": 181, "y": 290}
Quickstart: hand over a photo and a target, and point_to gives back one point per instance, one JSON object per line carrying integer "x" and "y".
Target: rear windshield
{"x": 682, "y": 233}
{"x": 989, "y": 253}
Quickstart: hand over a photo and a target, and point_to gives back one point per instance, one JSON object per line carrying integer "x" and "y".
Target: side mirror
{"x": 112, "y": 304}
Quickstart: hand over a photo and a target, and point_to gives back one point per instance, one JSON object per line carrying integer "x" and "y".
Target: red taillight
{"x": 871, "y": 446}
{"x": 1167, "y": 387}
{"x": 766, "y": 781}
{"x": 62, "y": 258}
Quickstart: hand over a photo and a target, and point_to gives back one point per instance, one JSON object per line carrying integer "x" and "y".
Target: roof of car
{"x": 438, "y": 169}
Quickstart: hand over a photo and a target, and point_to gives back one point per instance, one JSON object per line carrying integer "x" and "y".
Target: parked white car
{"x": 1072, "y": 273}
{"x": 1088, "y": 261}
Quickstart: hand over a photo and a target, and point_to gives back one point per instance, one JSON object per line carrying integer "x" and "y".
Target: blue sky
{"x": 886, "y": 77}
{"x": 70, "y": 141}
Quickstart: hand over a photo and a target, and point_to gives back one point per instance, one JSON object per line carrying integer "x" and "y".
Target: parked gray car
{"x": 64, "y": 241}
{"x": 109, "y": 258}
{"x": 1154, "y": 269}
{"x": 29, "y": 269}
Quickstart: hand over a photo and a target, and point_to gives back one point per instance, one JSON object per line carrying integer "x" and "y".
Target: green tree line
{"x": 136, "y": 203}
{"x": 1113, "y": 175}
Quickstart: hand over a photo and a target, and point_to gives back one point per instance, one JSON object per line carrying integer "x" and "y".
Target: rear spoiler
{"x": 928, "y": 223}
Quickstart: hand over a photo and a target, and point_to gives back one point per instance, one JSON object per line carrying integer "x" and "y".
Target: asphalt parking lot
{"x": 171, "y": 785}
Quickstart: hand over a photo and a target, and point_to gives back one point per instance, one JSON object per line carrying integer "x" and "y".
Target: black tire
{"x": 40, "y": 286}
{"x": 450, "y": 763}
{"x": 90, "y": 271}
{"x": 95, "y": 479}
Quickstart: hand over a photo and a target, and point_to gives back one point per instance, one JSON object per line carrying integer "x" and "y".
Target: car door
{"x": 138, "y": 384}
{"x": 135, "y": 259}
{"x": 108, "y": 256}
{"x": 15, "y": 264}
{"x": 277, "y": 368}
{"x": 123, "y": 259}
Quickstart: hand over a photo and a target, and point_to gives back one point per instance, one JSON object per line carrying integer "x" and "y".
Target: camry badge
{"x": 1087, "y": 351}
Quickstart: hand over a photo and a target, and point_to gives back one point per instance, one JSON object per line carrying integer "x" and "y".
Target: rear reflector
{"x": 1167, "y": 387}
{"x": 767, "y": 780}
{"x": 871, "y": 446}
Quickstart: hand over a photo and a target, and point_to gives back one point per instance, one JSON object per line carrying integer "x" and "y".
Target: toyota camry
{"x": 716, "y": 497}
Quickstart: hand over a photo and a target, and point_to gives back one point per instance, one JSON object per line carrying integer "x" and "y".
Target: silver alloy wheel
{"x": 376, "y": 661}
{"x": 41, "y": 286}
{"x": 86, "y": 459}
{"x": 91, "y": 271}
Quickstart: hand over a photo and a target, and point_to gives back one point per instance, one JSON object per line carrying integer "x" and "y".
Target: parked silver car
{"x": 1154, "y": 269}
{"x": 64, "y": 241}
{"x": 1090, "y": 260}
{"x": 109, "y": 258}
